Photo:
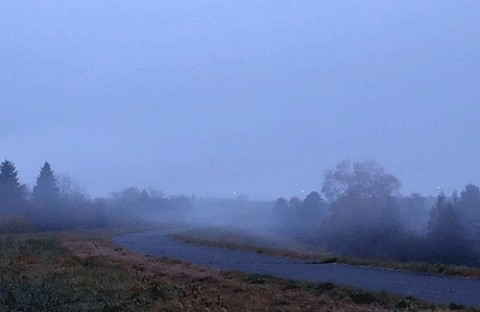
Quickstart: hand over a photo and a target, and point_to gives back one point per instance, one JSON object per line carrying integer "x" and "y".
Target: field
{"x": 279, "y": 246}
{"x": 85, "y": 271}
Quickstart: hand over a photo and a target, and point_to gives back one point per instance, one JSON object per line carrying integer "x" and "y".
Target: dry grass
{"x": 85, "y": 271}
{"x": 218, "y": 237}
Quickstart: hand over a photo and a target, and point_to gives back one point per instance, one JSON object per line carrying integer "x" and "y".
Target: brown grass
{"x": 218, "y": 237}
{"x": 85, "y": 271}
{"x": 192, "y": 288}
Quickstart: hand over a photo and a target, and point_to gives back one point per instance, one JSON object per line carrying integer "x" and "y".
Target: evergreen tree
{"x": 46, "y": 189}
{"x": 469, "y": 209}
{"x": 447, "y": 236}
{"x": 12, "y": 193}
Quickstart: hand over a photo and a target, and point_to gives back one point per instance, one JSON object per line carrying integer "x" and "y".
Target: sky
{"x": 256, "y": 98}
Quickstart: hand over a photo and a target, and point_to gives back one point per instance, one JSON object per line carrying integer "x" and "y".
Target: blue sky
{"x": 253, "y": 97}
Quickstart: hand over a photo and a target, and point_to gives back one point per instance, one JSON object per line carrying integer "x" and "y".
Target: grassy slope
{"x": 84, "y": 271}
{"x": 227, "y": 238}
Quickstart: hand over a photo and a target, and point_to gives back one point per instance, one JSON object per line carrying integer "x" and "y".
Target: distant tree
{"x": 471, "y": 197}
{"x": 364, "y": 218}
{"x": 313, "y": 202}
{"x": 70, "y": 190}
{"x": 129, "y": 195}
{"x": 363, "y": 180}
{"x": 311, "y": 213}
{"x": 295, "y": 203}
{"x": 415, "y": 211}
{"x": 280, "y": 209}
{"x": 469, "y": 210}
{"x": 46, "y": 189}
{"x": 447, "y": 236}
{"x": 12, "y": 193}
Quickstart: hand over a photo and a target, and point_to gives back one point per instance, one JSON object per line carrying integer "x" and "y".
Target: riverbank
{"x": 240, "y": 240}
{"x": 85, "y": 271}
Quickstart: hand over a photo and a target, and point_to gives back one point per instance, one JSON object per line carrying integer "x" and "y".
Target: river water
{"x": 439, "y": 289}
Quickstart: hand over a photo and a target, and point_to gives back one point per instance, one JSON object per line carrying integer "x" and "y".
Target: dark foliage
{"x": 447, "y": 237}
{"x": 46, "y": 189}
{"x": 364, "y": 216}
{"x": 12, "y": 193}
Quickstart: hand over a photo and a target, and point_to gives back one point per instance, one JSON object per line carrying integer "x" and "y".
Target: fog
{"x": 358, "y": 212}
{"x": 211, "y": 98}
{"x": 256, "y": 116}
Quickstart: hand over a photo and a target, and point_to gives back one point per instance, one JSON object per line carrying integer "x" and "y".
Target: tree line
{"x": 52, "y": 205}
{"x": 362, "y": 214}
{"x": 359, "y": 212}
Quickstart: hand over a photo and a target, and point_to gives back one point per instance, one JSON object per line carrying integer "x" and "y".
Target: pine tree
{"x": 12, "y": 193}
{"x": 46, "y": 189}
{"x": 447, "y": 236}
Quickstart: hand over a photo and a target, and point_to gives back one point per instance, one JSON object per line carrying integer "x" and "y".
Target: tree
{"x": 469, "y": 209}
{"x": 447, "y": 236}
{"x": 12, "y": 193}
{"x": 364, "y": 217}
{"x": 415, "y": 211}
{"x": 280, "y": 209}
{"x": 311, "y": 212}
{"x": 364, "y": 180}
{"x": 46, "y": 189}
{"x": 312, "y": 202}
{"x": 70, "y": 190}
{"x": 295, "y": 203}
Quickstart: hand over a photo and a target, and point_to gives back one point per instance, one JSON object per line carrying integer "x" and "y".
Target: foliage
{"x": 46, "y": 189}
{"x": 297, "y": 217}
{"x": 359, "y": 213}
{"x": 12, "y": 193}
{"x": 364, "y": 218}
{"x": 469, "y": 211}
{"x": 448, "y": 240}
{"x": 364, "y": 180}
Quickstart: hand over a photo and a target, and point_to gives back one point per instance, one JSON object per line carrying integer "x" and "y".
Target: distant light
{"x": 302, "y": 191}
{"x": 234, "y": 193}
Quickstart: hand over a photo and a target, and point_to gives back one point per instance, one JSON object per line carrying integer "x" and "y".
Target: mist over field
{"x": 239, "y": 155}
{"x": 347, "y": 127}
{"x": 358, "y": 212}
{"x": 214, "y": 98}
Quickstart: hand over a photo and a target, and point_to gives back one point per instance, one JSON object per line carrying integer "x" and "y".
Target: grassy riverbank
{"x": 85, "y": 271}
{"x": 233, "y": 239}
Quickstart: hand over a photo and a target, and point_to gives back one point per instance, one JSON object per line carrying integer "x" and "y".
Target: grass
{"x": 357, "y": 296}
{"x": 38, "y": 274}
{"x": 85, "y": 271}
{"x": 224, "y": 238}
